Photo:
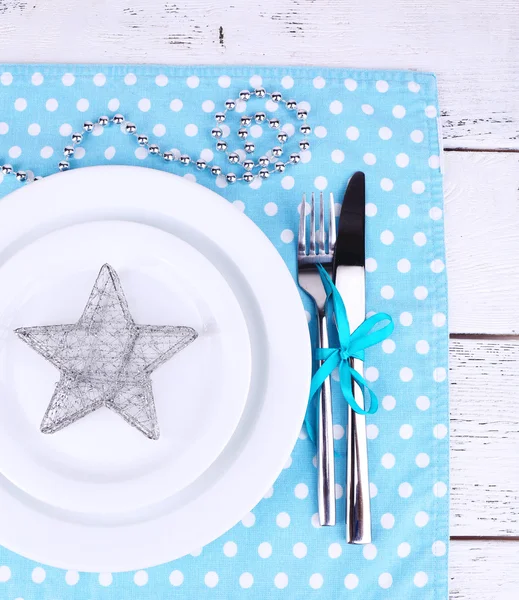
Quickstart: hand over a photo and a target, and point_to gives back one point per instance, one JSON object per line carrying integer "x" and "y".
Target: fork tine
{"x": 301, "y": 240}
{"x": 321, "y": 237}
{"x": 312, "y": 225}
{"x": 332, "y": 235}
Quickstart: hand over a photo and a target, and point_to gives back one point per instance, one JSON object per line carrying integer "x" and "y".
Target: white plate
{"x": 230, "y": 405}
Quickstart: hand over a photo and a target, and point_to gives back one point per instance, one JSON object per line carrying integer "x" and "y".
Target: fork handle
{"x": 325, "y": 456}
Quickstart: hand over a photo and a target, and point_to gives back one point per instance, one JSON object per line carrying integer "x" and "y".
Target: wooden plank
{"x": 477, "y": 69}
{"x": 484, "y": 377}
{"x": 486, "y": 570}
{"x": 482, "y": 241}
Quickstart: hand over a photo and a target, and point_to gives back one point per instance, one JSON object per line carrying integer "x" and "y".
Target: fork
{"x": 310, "y": 281}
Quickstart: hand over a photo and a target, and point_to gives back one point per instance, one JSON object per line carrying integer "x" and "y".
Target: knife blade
{"x": 349, "y": 278}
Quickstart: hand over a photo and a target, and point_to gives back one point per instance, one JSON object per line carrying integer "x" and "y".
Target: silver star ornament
{"x": 105, "y": 359}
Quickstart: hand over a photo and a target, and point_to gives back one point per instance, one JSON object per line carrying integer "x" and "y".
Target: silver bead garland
{"x": 262, "y": 168}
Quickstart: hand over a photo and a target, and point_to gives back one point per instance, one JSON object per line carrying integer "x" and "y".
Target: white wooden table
{"x": 473, "y": 46}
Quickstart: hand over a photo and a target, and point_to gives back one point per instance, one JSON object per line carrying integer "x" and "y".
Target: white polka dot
{"x": 304, "y": 105}
{"x": 417, "y": 136}
{"x": 418, "y": 187}
{"x": 65, "y": 129}
{"x": 421, "y": 519}
{"x": 405, "y": 490}
{"x": 439, "y": 548}
{"x": 211, "y": 578}
{"x": 387, "y": 292}
{"x": 192, "y": 81}
{"x": 437, "y": 265}
{"x": 387, "y": 521}
{"x": 421, "y": 292}
{"x": 196, "y": 552}
{"x": 82, "y": 105}
{"x": 6, "y": 78}
{"x": 289, "y": 129}
{"x": 338, "y": 431}
{"x": 338, "y": 491}
{"x": 422, "y": 460}
{"x": 431, "y": 112}
{"x": 371, "y": 374}
{"x": 15, "y": 151}
{"x": 110, "y": 152}
{"x": 382, "y": 86}
{"x": 402, "y": 160}
{"x": 176, "y": 578}
{"x": 248, "y": 520}
{"x": 38, "y": 575}
{"x": 422, "y": 346}
{"x": 306, "y": 156}
{"x": 371, "y": 265}
{"x": 269, "y": 493}
{"x": 140, "y": 578}
{"x": 113, "y": 104}
{"x": 406, "y": 319}
{"x": 414, "y": 87}
{"x": 224, "y": 81}
{"x": 255, "y": 184}
{"x": 264, "y": 550}
{"x": 388, "y": 460}
{"x": 191, "y": 129}
{"x": 299, "y": 550}
{"x": 385, "y": 581}
{"x": 79, "y": 153}
{"x": 320, "y": 182}
{"x": 256, "y": 131}
{"x": 406, "y": 374}
{"x": 161, "y": 80}
{"x": 369, "y": 551}
{"x": 316, "y": 581}
{"x": 283, "y": 520}
{"x": 336, "y": 107}
{"x": 439, "y": 319}
{"x": 403, "y": 265}
{"x": 159, "y": 130}
{"x": 338, "y": 156}
{"x": 315, "y": 517}
{"x": 141, "y": 153}
{"x": 230, "y": 549}
{"x": 386, "y": 184}
{"x": 33, "y": 129}
{"x": 423, "y": 402}
{"x": 350, "y": 84}
{"x": 406, "y": 432}
{"x": 420, "y": 238}
{"x": 255, "y": 81}
{"x": 4, "y": 128}
{"x": 71, "y": 577}
{"x": 37, "y": 79}
{"x": 144, "y": 104}
{"x": 271, "y": 209}
{"x": 371, "y": 209}
{"x": 207, "y": 154}
{"x": 5, "y": 573}
{"x": 367, "y": 109}
{"x": 281, "y": 581}
{"x": 320, "y": 131}
{"x": 439, "y": 374}
{"x": 46, "y": 152}
{"x": 351, "y": 581}
{"x": 207, "y": 105}
{"x": 434, "y": 162}
{"x": 399, "y": 111}
{"x": 403, "y": 550}
{"x": 388, "y": 346}
{"x": 403, "y": 211}
{"x": 319, "y": 82}
{"x": 369, "y": 158}
{"x": 176, "y": 105}
{"x": 287, "y": 82}
{"x": 246, "y": 580}
{"x": 373, "y": 491}
{"x": 99, "y": 79}
{"x": 439, "y": 489}
{"x": 98, "y": 130}
{"x": 352, "y": 133}
{"x": 68, "y": 79}
{"x": 387, "y": 237}
{"x": 287, "y": 236}
{"x": 388, "y": 403}
{"x": 301, "y": 491}
{"x": 385, "y": 133}
{"x": 20, "y": 104}
{"x": 435, "y": 213}
{"x": 372, "y": 431}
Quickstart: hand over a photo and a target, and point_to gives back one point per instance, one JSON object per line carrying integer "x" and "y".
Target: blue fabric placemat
{"x": 383, "y": 123}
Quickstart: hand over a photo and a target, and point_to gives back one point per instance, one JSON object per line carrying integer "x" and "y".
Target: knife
{"x": 349, "y": 278}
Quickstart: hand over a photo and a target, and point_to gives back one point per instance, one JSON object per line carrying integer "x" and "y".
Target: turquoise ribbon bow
{"x": 350, "y": 346}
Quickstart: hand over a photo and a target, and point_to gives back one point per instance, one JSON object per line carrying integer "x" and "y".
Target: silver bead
{"x": 142, "y": 139}
{"x": 248, "y": 164}
{"x": 21, "y": 175}
{"x": 231, "y": 177}
{"x": 220, "y": 117}
{"x": 221, "y": 145}
{"x": 245, "y": 120}
{"x": 233, "y": 158}
{"x": 130, "y": 128}
{"x": 216, "y": 132}
{"x": 215, "y": 170}
{"x": 185, "y": 159}
{"x": 248, "y": 176}
{"x": 263, "y": 161}
{"x": 304, "y": 144}
{"x": 103, "y": 121}
{"x": 264, "y": 173}
{"x": 291, "y": 104}
{"x": 7, "y": 170}
{"x": 282, "y": 136}
{"x": 88, "y": 126}
{"x": 168, "y": 156}
{"x": 276, "y": 96}
{"x": 259, "y": 117}
{"x": 305, "y": 129}
{"x": 245, "y": 95}
{"x": 260, "y": 92}
{"x": 280, "y": 167}
{"x": 68, "y": 151}
{"x": 243, "y": 133}
{"x": 274, "y": 123}
{"x": 277, "y": 151}
{"x": 249, "y": 147}
{"x": 63, "y": 165}
{"x": 154, "y": 149}
{"x": 302, "y": 114}
{"x": 77, "y": 138}
{"x": 295, "y": 158}
{"x": 201, "y": 164}
{"x": 230, "y": 105}
{"x": 118, "y": 119}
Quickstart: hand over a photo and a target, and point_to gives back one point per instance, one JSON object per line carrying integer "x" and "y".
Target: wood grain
{"x": 473, "y": 47}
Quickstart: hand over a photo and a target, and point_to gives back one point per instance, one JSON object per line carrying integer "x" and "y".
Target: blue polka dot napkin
{"x": 381, "y": 122}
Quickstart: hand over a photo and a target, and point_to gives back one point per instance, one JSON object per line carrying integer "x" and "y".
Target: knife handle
{"x": 358, "y": 510}
{"x": 325, "y": 456}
